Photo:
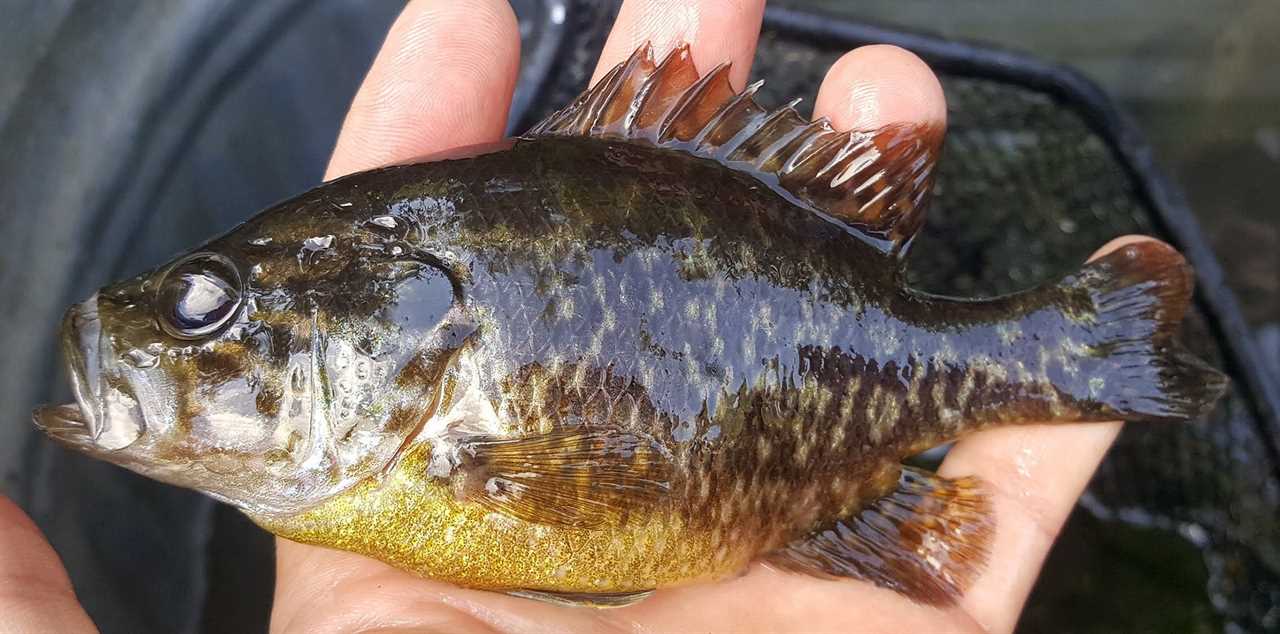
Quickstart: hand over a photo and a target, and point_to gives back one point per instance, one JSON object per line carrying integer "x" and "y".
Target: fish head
{"x": 271, "y": 368}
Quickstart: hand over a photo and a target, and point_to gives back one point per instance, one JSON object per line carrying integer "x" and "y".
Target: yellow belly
{"x": 413, "y": 522}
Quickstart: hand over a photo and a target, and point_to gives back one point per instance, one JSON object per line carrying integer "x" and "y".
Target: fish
{"x": 661, "y": 336}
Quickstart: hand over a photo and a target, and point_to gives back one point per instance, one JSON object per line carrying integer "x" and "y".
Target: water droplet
{"x": 255, "y": 271}
{"x": 299, "y": 379}
{"x": 260, "y": 242}
{"x": 155, "y": 348}
{"x": 141, "y": 358}
{"x": 384, "y": 221}
{"x": 313, "y": 245}
{"x": 317, "y": 243}
{"x": 396, "y": 250}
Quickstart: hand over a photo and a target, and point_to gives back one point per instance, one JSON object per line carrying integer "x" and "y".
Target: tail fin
{"x": 1139, "y": 294}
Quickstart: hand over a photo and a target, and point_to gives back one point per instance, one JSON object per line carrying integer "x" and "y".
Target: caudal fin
{"x": 1137, "y": 296}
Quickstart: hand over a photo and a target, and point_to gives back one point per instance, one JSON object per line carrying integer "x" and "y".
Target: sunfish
{"x": 663, "y": 335}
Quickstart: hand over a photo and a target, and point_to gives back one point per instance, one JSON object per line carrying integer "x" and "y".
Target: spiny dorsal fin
{"x": 877, "y": 182}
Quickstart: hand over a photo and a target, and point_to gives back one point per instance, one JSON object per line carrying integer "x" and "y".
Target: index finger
{"x": 443, "y": 79}
{"x": 716, "y": 31}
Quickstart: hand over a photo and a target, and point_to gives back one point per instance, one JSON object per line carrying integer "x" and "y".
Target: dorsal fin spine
{"x": 641, "y": 100}
{"x": 615, "y": 89}
{"x": 778, "y": 150}
{"x": 729, "y": 109}
{"x": 821, "y": 156}
{"x": 809, "y": 141}
{"x": 765, "y": 129}
{"x": 586, "y": 119}
{"x": 856, "y": 164}
{"x": 736, "y": 147}
{"x": 691, "y": 97}
{"x": 876, "y": 182}
{"x": 655, "y": 81}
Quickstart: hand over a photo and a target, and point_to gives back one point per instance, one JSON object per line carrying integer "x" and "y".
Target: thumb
{"x": 35, "y": 592}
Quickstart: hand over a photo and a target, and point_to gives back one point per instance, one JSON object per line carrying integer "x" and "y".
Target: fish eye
{"x": 198, "y": 295}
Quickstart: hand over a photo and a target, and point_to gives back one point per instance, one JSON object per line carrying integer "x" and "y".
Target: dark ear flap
{"x": 877, "y": 182}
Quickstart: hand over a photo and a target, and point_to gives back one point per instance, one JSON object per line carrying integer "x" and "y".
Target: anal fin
{"x": 584, "y": 599}
{"x": 928, "y": 540}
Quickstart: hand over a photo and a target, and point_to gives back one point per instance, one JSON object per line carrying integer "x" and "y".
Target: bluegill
{"x": 661, "y": 336}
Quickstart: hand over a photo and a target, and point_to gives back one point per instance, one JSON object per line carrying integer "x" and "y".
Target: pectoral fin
{"x": 572, "y": 477}
{"x": 928, "y": 540}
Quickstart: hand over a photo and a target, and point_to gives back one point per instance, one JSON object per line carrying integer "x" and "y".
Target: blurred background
{"x": 130, "y": 131}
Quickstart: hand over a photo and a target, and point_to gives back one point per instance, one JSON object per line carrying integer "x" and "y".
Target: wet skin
{"x": 770, "y": 352}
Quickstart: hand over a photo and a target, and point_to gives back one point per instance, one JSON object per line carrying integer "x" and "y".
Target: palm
{"x": 444, "y": 79}
{"x": 762, "y": 600}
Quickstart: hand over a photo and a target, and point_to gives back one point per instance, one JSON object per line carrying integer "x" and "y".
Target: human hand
{"x": 444, "y": 79}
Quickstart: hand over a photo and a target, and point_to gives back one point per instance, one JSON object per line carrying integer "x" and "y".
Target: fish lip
{"x": 109, "y": 417}
{"x": 63, "y": 422}
{"x": 80, "y": 422}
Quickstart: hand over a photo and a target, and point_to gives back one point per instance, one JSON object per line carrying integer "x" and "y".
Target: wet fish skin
{"x": 773, "y": 354}
{"x": 594, "y": 366}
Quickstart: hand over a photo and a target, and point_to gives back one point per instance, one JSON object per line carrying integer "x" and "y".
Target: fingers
{"x": 1035, "y": 474}
{"x": 716, "y": 30}
{"x": 874, "y": 86}
{"x": 35, "y": 593}
{"x": 443, "y": 79}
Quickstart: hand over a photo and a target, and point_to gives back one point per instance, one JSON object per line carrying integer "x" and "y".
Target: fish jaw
{"x": 103, "y": 418}
{"x": 65, "y": 423}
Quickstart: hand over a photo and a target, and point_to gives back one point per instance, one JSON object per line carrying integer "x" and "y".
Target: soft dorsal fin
{"x": 877, "y": 182}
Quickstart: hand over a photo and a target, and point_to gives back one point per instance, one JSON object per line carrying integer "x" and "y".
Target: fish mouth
{"x": 63, "y": 422}
{"x": 84, "y": 423}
